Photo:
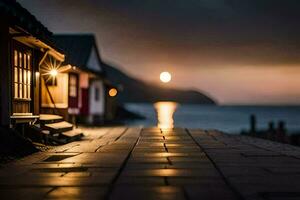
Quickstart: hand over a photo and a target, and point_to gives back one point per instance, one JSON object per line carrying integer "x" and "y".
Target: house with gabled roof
{"x": 85, "y": 80}
{"x": 25, "y": 47}
{"x": 28, "y": 57}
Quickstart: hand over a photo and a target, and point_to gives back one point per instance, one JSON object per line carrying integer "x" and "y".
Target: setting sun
{"x": 165, "y": 77}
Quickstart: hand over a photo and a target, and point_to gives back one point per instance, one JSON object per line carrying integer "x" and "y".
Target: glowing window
{"x": 73, "y": 85}
{"x": 22, "y": 75}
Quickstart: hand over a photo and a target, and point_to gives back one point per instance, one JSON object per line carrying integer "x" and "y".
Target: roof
{"x": 19, "y": 16}
{"x": 77, "y": 48}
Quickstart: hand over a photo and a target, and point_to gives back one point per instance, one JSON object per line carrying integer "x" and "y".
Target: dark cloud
{"x": 205, "y": 42}
{"x": 232, "y": 32}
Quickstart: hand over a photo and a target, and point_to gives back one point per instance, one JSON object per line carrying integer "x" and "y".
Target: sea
{"x": 230, "y": 119}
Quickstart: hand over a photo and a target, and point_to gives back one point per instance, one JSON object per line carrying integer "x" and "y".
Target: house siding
{"x": 93, "y": 62}
{"x": 97, "y": 107}
{"x": 5, "y": 86}
{"x": 59, "y": 93}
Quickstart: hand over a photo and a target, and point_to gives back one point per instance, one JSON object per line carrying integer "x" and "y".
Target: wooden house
{"x": 88, "y": 88}
{"x": 28, "y": 58}
{"x": 25, "y": 46}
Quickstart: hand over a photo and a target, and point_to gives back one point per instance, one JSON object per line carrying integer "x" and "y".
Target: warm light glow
{"x": 53, "y": 72}
{"x": 165, "y": 77}
{"x": 165, "y": 111}
{"x": 50, "y": 68}
{"x": 113, "y": 92}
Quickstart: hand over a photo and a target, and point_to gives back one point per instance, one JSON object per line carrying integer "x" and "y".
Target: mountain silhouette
{"x": 137, "y": 91}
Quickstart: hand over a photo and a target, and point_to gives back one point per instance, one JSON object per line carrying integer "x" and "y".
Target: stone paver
{"x": 150, "y": 163}
{"x": 254, "y": 168}
{"x": 169, "y": 165}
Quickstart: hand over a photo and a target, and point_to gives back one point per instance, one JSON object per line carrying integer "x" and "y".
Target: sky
{"x": 237, "y": 51}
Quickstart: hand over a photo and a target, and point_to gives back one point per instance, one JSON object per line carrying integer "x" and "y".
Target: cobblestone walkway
{"x": 135, "y": 163}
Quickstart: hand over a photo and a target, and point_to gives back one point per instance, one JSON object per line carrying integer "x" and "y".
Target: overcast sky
{"x": 238, "y": 51}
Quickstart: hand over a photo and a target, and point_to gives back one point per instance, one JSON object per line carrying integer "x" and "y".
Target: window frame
{"x": 73, "y": 87}
{"x": 22, "y": 68}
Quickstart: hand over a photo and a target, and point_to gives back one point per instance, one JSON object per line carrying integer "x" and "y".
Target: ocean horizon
{"x": 227, "y": 118}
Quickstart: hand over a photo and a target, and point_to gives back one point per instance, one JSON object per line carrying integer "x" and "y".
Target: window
{"x": 96, "y": 94}
{"x": 22, "y": 75}
{"x": 73, "y": 85}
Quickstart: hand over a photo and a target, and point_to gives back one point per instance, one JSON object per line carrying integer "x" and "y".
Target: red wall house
{"x": 82, "y": 54}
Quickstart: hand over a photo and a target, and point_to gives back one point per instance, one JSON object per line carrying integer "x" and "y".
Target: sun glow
{"x": 165, "y": 111}
{"x": 165, "y": 77}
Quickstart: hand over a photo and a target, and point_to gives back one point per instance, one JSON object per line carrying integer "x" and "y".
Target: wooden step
{"x": 73, "y": 135}
{"x": 58, "y": 127}
{"x": 48, "y": 118}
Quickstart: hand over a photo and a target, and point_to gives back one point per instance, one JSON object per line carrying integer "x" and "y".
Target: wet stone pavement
{"x": 150, "y": 163}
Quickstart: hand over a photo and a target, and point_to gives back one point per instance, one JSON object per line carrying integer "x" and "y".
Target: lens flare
{"x": 53, "y": 72}
{"x": 113, "y": 92}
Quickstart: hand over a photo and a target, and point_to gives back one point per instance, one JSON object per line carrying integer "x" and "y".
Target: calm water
{"x": 231, "y": 119}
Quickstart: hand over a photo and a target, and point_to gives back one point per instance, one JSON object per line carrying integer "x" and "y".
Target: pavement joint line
{"x": 52, "y": 189}
{"x": 98, "y": 148}
{"x": 65, "y": 173}
{"x": 169, "y": 161}
{"x": 100, "y": 137}
{"x": 235, "y": 191}
{"x": 165, "y": 146}
{"x": 106, "y": 133}
{"x": 259, "y": 147}
{"x": 107, "y": 143}
{"x": 116, "y": 177}
{"x": 123, "y": 132}
{"x": 265, "y": 171}
{"x": 214, "y": 137}
{"x": 70, "y": 148}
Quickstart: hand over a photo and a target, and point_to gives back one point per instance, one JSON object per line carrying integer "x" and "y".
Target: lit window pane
{"x": 25, "y": 91}
{"x": 72, "y": 80}
{"x": 28, "y": 84}
{"x": 20, "y": 59}
{"x": 16, "y": 90}
{"x": 20, "y": 90}
{"x": 25, "y": 61}
{"x": 16, "y": 75}
{"x": 29, "y": 77}
{"x": 25, "y": 81}
{"x": 20, "y": 75}
{"x": 25, "y": 76}
{"x": 29, "y": 95}
{"x": 72, "y": 85}
{"x": 28, "y": 62}
{"x": 73, "y": 91}
{"x": 15, "y": 57}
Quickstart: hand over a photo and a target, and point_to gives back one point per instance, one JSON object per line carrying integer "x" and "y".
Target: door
{"x": 22, "y": 79}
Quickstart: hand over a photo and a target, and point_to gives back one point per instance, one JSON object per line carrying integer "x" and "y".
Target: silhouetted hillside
{"x": 135, "y": 90}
